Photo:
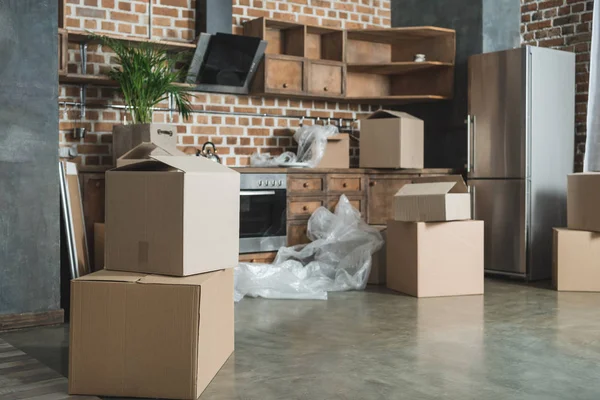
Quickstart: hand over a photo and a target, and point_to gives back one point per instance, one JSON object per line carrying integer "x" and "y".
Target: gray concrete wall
{"x": 481, "y": 26}
{"x": 29, "y": 196}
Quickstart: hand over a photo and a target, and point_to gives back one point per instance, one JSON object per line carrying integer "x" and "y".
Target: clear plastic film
{"x": 337, "y": 259}
{"x": 312, "y": 141}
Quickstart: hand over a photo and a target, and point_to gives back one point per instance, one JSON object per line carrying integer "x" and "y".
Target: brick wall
{"x": 565, "y": 25}
{"x": 236, "y": 137}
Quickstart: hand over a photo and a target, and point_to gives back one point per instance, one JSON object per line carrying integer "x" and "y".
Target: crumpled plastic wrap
{"x": 312, "y": 141}
{"x": 337, "y": 259}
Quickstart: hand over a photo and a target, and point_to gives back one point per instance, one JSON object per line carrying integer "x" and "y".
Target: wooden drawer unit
{"x": 358, "y": 202}
{"x": 302, "y": 207}
{"x": 284, "y": 74}
{"x": 326, "y": 78}
{"x": 381, "y": 191}
{"x": 345, "y": 183}
{"x": 296, "y": 232}
{"x": 309, "y": 184}
{"x": 260, "y": 258}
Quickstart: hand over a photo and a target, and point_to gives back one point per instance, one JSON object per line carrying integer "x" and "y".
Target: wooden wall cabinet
{"x": 361, "y": 65}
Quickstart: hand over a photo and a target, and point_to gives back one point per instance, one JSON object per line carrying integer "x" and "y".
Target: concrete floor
{"x": 517, "y": 342}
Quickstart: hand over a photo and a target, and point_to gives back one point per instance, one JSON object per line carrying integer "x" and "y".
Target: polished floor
{"x": 516, "y": 342}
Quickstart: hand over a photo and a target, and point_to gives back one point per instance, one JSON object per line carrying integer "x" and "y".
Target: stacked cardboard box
{"x": 158, "y": 321}
{"x": 577, "y": 249}
{"x": 433, "y": 247}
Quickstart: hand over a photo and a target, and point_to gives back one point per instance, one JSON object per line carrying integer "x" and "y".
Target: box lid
{"x": 148, "y": 149}
{"x": 435, "y": 188}
{"x": 132, "y": 277}
{"x": 185, "y": 163}
{"x": 338, "y": 137}
{"x": 381, "y": 114}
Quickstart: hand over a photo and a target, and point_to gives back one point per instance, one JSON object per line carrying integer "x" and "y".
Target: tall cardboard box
{"x": 432, "y": 202}
{"x": 145, "y": 152}
{"x": 135, "y": 335}
{"x": 576, "y": 261}
{"x": 391, "y": 139}
{"x": 379, "y": 260}
{"x": 431, "y": 259}
{"x": 127, "y": 137}
{"x": 337, "y": 152}
{"x": 583, "y": 201}
{"x": 172, "y": 216}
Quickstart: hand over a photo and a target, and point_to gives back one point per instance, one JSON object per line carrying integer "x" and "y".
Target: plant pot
{"x": 126, "y": 137}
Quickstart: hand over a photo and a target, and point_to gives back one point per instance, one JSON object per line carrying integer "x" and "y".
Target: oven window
{"x": 263, "y": 214}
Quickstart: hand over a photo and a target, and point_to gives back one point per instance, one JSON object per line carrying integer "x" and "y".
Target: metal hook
{"x": 328, "y": 121}
{"x": 302, "y": 121}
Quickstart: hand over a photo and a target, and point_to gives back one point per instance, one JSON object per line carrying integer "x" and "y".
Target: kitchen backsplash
{"x": 236, "y": 137}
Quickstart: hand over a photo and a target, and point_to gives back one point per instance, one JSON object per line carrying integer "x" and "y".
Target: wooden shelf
{"x": 84, "y": 79}
{"x": 392, "y": 35}
{"x": 398, "y": 100}
{"x": 396, "y": 68}
{"x": 85, "y": 37}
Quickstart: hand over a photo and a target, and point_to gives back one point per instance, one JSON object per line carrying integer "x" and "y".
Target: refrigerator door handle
{"x": 473, "y": 143}
{"x": 468, "y": 122}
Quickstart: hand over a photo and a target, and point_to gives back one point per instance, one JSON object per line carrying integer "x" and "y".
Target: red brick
{"x": 125, "y": 28}
{"x": 231, "y": 130}
{"x": 91, "y": 3}
{"x": 169, "y": 12}
{"x": 90, "y": 12}
{"x": 108, "y": 3}
{"x": 92, "y": 149}
{"x": 127, "y": 17}
{"x": 258, "y": 132}
{"x": 204, "y": 130}
{"x": 245, "y": 150}
{"x": 142, "y": 9}
{"x": 175, "y": 3}
{"x": 108, "y": 26}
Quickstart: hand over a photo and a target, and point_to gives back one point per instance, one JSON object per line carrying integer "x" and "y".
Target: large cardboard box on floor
{"x": 145, "y": 152}
{"x": 337, "y": 152}
{"x": 136, "y": 335}
{"x": 431, "y": 259}
{"x": 391, "y": 139}
{"x": 173, "y": 216}
{"x": 576, "y": 261}
{"x": 379, "y": 260}
{"x": 127, "y": 137}
{"x": 433, "y": 202}
{"x": 583, "y": 201}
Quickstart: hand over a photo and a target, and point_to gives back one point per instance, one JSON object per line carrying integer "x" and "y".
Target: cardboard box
{"x": 391, "y": 139}
{"x": 379, "y": 260}
{"x": 432, "y": 202}
{"x": 135, "y": 335}
{"x": 145, "y": 152}
{"x": 172, "y": 216}
{"x": 583, "y": 201}
{"x": 98, "y": 246}
{"x": 127, "y": 137}
{"x": 337, "y": 152}
{"x": 436, "y": 258}
{"x": 575, "y": 265}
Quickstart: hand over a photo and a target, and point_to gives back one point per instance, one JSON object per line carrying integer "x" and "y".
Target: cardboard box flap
{"x": 436, "y": 188}
{"x": 338, "y": 137}
{"x": 193, "y": 280}
{"x": 111, "y": 276}
{"x": 382, "y": 114}
{"x": 194, "y": 164}
{"x": 147, "y": 149}
{"x": 150, "y": 165}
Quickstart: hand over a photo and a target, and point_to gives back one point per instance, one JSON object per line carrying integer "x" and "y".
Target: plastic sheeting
{"x": 311, "y": 140}
{"x": 592, "y": 145}
{"x": 337, "y": 259}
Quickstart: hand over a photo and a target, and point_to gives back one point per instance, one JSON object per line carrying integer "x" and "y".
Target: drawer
{"x": 326, "y": 78}
{"x": 306, "y": 184}
{"x": 296, "y": 233}
{"x": 284, "y": 74}
{"x": 302, "y": 207}
{"x": 358, "y": 202}
{"x": 345, "y": 183}
{"x": 260, "y": 258}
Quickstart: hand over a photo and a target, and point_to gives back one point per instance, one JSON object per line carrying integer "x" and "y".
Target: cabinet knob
{"x": 304, "y": 208}
{"x": 285, "y": 85}
{"x": 344, "y": 185}
{"x": 372, "y": 184}
{"x": 325, "y": 88}
{"x": 305, "y": 184}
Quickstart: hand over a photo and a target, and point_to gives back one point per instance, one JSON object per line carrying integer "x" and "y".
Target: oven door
{"x": 262, "y": 220}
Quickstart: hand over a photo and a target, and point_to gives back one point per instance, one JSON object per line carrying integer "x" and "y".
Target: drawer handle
{"x": 325, "y": 89}
{"x": 344, "y": 185}
{"x": 305, "y": 185}
{"x": 285, "y": 85}
{"x": 304, "y": 208}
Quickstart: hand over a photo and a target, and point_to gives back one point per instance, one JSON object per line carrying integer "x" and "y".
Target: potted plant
{"x": 147, "y": 76}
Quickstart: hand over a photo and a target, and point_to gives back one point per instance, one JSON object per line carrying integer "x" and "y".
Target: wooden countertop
{"x": 425, "y": 171}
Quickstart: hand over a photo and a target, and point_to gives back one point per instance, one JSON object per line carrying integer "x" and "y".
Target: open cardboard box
{"x": 337, "y": 152}
{"x": 431, "y": 202}
{"x": 137, "y": 335}
{"x": 575, "y": 264}
{"x": 173, "y": 216}
{"x": 145, "y": 152}
{"x": 127, "y": 137}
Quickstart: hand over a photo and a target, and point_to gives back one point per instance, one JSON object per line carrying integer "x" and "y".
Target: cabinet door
{"x": 326, "y": 78}
{"x": 302, "y": 207}
{"x": 296, "y": 232}
{"x": 382, "y": 189}
{"x": 284, "y": 74}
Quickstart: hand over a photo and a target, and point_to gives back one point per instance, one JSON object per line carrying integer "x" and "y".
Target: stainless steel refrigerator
{"x": 521, "y": 134}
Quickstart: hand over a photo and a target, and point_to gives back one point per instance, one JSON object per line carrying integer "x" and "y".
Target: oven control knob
{"x": 272, "y": 183}
{"x": 279, "y": 183}
{"x": 260, "y": 183}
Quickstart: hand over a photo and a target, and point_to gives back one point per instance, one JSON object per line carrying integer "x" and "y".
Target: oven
{"x": 263, "y": 209}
